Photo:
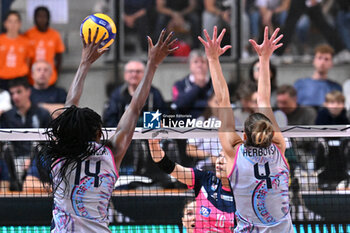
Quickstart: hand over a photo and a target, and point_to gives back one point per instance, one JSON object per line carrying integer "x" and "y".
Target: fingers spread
{"x": 89, "y": 37}
{"x": 206, "y": 35}
{"x": 84, "y": 43}
{"x": 161, "y": 37}
{"x": 224, "y": 49}
{"x": 203, "y": 41}
{"x": 266, "y": 33}
{"x": 101, "y": 39}
{"x": 278, "y": 39}
{"x": 173, "y": 49}
{"x": 215, "y": 33}
{"x": 95, "y": 36}
{"x": 172, "y": 42}
{"x": 274, "y": 34}
{"x": 169, "y": 37}
{"x": 150, "y": 43}
{"x": 221, "y": 35}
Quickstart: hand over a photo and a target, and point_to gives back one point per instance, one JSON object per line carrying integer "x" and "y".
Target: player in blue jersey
{"x": 215, "y": 204}
{"x": 83, "y": 170}
{"x": 257, "y": 168}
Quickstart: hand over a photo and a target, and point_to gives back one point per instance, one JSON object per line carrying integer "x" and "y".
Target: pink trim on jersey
{"x": 112, "y": 155}
{"x": 191, "y": 186}
{"x": 226, "y": 189}
{"x": 234, "y": 162}
{"x": 283, "y": 157}
{"x": 209, "y": 218}
{"x": 58, "y": 161}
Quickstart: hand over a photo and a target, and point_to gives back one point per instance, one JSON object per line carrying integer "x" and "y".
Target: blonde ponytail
{"x": 262, "y": 133}
{"x": 259, "y": 130}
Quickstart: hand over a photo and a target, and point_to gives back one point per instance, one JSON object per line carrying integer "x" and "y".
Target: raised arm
{"x": 119, "y": 143}
{"x": 90, "y": 54}
{"x": 265, "y": 51}
{"x": 228, "y": 136}
{"x": 182, "y": 174}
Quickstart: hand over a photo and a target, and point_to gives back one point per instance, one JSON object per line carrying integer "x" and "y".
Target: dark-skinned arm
{"x": 120, "y": 142}
{"x": 90, "y": 54}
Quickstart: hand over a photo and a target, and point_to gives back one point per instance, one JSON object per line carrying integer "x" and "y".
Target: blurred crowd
{"x": 304, "y": 23}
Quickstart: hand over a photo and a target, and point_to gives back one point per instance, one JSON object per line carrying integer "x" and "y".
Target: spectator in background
{"x": 5, "y": 7}
{"x": 287, "y": 103}
{"x": 216, "y": 13}
{"x": 191, "y": 94}
{"x": 254, "y": 75}
{"x": 247, "y": 102}
{"x": 137, "y": 160}
{"x": 49, "y": 97}
{"x": 46, "y": 42}
{"x": 331, "y": 157}
{"x": 254, "y": 18}
{"x": 121, "y": 96}
{"x": 137, "y": 17}
{"x": 334, "y": 112}
{"x": 24, "y": 114}
{"x": 5, "y": 101}
{"x": 313, "y": 9}
{"x": 205, "y": 150}
{"x": 15, "y": 51}
{"x": 343, "y": 20}
{"x": 179, "y": 14}
{"x": 312, "y": 90}
{"x": 273, "y": 12}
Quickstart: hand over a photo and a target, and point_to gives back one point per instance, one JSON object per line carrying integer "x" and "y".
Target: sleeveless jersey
{"x": 215, "y": 205}
{"x": 84, "y": 205}
{"x": 259, "y": 180}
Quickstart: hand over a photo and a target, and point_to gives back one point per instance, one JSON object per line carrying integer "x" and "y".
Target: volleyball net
{"x": 146, "y": 199}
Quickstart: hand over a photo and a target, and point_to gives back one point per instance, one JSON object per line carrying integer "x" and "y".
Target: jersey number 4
{"x": 87, "y": 172}
{"x": 263, "y": 177}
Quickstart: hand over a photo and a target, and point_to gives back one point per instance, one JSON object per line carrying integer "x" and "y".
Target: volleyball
{"x": 104, "y": 23}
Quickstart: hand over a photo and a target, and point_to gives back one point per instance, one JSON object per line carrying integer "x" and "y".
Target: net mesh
{"x": 146, "y": 199}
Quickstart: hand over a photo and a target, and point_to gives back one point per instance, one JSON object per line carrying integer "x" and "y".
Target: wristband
{"x": 166, "y": 165}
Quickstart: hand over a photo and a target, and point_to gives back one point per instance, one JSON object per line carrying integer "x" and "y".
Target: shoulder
{"x": 308, "y": 110}
{"x": 8, "y": 114}
{"x": 182, "y": 81}
{"x": 30, "y": 31}
{"x": 53, "y": 31}
{"x": 334, "y": 84}
{"x": 155, "y": 90}
{"x": 23, "y": 40}
{"x": 56, "y": 89}
{"x": 39, "y": 110}
{"x": 117, "y": 91}
{"x": 303, "y": 81}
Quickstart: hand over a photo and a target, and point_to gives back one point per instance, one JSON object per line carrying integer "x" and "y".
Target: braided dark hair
{"x": 70, "y": 140}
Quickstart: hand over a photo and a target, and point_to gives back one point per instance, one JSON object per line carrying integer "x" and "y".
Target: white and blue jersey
{"x": 83, "y": 207}
{"x": 259, "y": 180}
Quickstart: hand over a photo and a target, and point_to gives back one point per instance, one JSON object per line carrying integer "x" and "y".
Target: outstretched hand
{"x": 212, "y": 46}
{"x": 157, "y": 52}
{"x": 91, "y": 49}
{"x": 268, "y": 46}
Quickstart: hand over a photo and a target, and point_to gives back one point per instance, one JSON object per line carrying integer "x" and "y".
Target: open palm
{"x": 268, "y": 46}
{"x": 212, "y": 46}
